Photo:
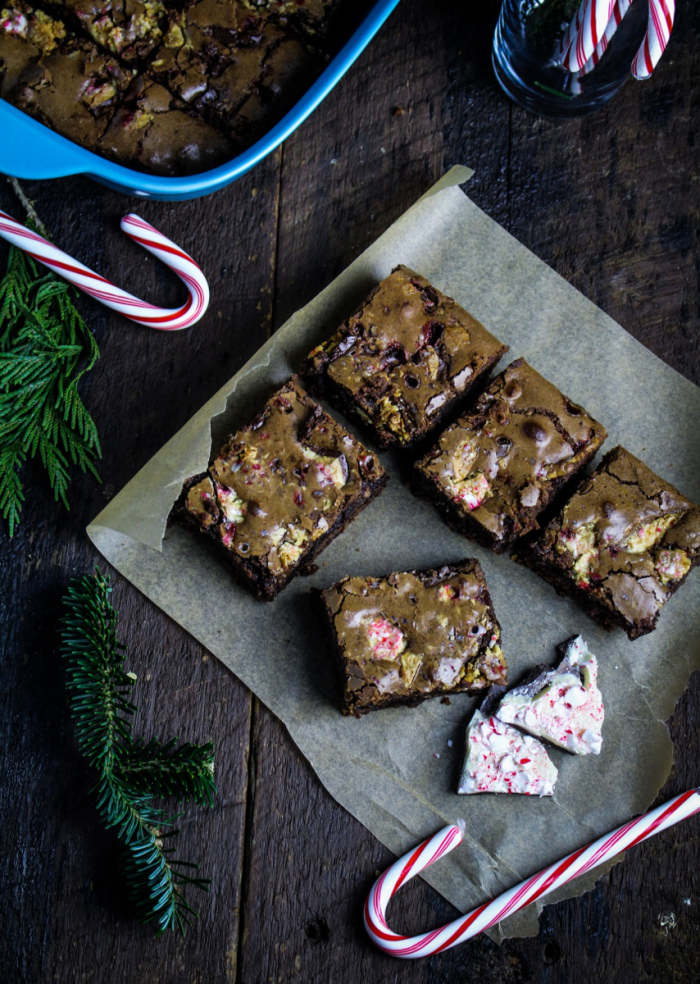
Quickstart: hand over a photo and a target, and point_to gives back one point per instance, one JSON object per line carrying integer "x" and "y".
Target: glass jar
{"x": 524, "y": 50}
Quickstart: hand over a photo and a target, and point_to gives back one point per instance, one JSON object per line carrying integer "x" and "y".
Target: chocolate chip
{"x": 413, "y": 382}
{"x": 534, "y": 432}
{"x": 504, "y": 446}
{"x": 512, "y": 391}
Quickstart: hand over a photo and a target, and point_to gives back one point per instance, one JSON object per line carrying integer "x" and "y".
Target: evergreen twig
{"x": 45, "y": 349}
{"x": 130, "y": 772}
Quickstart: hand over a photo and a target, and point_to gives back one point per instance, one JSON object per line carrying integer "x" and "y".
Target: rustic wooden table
{"x": 612, "y": 203}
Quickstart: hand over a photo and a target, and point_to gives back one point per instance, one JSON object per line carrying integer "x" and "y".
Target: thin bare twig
{"x": 28, "y": 207}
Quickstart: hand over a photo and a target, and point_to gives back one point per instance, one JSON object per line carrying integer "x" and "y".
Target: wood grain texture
{"x": 611, "y": 203}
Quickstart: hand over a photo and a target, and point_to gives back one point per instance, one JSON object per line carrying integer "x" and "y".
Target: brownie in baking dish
{"x": 622, "y": 545}
{"x": 129, "y": 29}
{"x": 233, "y": 66}
{"x": 494, "y": 471}
{"x": 406, "y": 358}
{"x": 415, "y": 634}
{"x": 75, "y": 88}
{"x": 280, "y": 490}
{"x": 156, "y": 130}
{"x": 25, "y": 35}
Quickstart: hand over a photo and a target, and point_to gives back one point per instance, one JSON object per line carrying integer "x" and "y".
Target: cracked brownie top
{"x": 281, "y": 483}
{"x": 406, "y": 356}
{"x": 503, "y": 463}
{"x": 414, "y": 634}
{"x": 627, "y": 538}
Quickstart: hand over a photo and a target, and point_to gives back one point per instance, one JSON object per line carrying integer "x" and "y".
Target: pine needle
{"x": 130, "y": 772}
{"x": 45, "y": 349}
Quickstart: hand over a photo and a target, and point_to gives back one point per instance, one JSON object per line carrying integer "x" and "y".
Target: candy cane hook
{"x": 516, "y": 898}
{"x": 143, "y": 313}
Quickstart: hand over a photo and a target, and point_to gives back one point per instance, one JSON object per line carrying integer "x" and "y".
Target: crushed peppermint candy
{"x": 563, "y": 705}
{"x": 233, "y": 507}
{"x": 672, "y": 565}
{"x": 500, "y": 759}
{"x": 472, "y": 491}
{"x": 386, "y": 641}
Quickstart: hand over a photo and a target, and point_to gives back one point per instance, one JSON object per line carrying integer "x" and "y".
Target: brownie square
{"x": 494, "y": 471}
{"x": 621, "y": 545}
{"x": 281, "y": 489}
{"x": 407, "y": 357}
{"x": 411, "y": 635}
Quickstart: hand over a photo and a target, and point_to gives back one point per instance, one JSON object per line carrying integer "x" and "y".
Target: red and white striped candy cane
{"x": 661, "y": 14}
{"x": 584, "y": 32}
{"x": 516, "y": 898}
{"x": 167, "y": 319}
{"x": 619, "y": 10}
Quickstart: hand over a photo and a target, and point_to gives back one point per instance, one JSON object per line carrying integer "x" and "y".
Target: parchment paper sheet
{"x": 382, "y": 768}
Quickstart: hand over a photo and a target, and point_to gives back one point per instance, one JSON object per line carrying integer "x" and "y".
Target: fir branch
{"x": 184, "y": 771}
{"x": 45, "y": 349}
{"x": 130, "y": 772}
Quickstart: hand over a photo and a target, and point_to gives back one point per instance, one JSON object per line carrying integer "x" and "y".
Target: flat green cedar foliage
{"x": 130, "y": 771}
{"x": 45, "y": 349}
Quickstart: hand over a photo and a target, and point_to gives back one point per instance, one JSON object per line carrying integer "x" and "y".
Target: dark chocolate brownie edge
{"x": 255, "y": 577}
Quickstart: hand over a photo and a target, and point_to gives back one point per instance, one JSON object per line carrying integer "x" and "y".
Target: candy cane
{"x": 584, "y": 32}
{"x": 516, "y": 898}
{"x": 661, "y": 14}
{"x": 143, "y": 313}
{"x": 619, "y": 10}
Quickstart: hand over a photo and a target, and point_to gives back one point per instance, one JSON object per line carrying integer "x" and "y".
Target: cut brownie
{"x": 621, "y": 545}
{"x": 129, "y": 29}
{"x": 310, "y": 17}
{"x": 416, "y": 634}
{"x": 281, "y": 489}
{"x": 493, "y": 472}
{"x": 159, "y": 132}
{"x": 404, "y": 360}
{"x": 500, "y": 760}
{"x": 563, "y": 705}
{"x": 25, "y": 35}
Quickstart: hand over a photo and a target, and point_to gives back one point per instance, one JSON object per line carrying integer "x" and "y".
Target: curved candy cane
{"x": 143, "y": 313}
{"x": 619, "y": 10}
{"x": 661, "y": 14}
{"x": 584, "y": 32}
{"x": 516, "y": 898}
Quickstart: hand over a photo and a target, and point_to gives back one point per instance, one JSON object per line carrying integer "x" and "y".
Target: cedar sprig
{"x": 45, "y": 349}
{"x": 130, "y": 772}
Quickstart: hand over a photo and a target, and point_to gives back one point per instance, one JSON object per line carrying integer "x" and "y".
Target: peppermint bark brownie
{"x": 414, "y": 634}
{"x": 622, "y": 545}
{"x": 563, "y": 705}
{"x": 499, "y": 759}
{"x": 407, "y": 358}
{"x": 494, "y": 471}
{"x": 280, "y": 490}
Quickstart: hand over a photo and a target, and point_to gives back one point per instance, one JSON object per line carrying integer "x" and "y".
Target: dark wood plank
{"x": 64, "y": 919}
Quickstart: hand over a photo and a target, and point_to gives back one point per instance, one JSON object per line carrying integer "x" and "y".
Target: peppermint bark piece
{"x": 499, "y": 759}
{"x": 563, "y": 705}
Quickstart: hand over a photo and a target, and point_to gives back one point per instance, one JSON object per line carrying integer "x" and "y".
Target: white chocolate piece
{"x": 501, "y": 760}
{"x": 564, "y": 705}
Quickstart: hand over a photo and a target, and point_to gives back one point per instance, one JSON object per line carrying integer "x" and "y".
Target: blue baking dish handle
{"x": 28, "y": 149}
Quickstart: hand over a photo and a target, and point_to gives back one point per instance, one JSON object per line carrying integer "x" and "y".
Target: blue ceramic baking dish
{"x": 28, "y": 149}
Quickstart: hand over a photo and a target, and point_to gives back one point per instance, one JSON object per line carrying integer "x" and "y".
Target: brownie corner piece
{"x": 411, "y": 635}
{"x": 280, "y": 489}
{"x": 495, "y": 470}
{"x": 404, "y": 361}
{"x": 622, "y": 544}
